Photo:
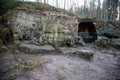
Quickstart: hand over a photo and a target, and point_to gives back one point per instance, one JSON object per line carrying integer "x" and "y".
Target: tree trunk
{"x": 57, "y": 3}
{"x": 44, "y": 1}
{"x": 64, "y": 4}
{"x": 119, "y": 10}
{"x": 84, "y": 7}
{"x": 99, "y": 10}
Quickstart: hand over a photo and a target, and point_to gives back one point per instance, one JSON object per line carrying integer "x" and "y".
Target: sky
{"x": 69, "y": 3}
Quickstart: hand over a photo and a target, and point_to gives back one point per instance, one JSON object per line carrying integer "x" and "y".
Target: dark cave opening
{"x": 87, "y": 31}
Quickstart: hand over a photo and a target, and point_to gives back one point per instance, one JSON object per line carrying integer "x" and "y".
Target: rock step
{"x": 82, "y": 52}
{"x": 34, "y": 49}
{"x": 46, "y": 49}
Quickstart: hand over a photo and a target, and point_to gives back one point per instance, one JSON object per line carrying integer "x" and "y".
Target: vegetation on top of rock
{"x": 2, "y": 50}
{"x": 7, "y": 5}
{"x": 43, "y": 7}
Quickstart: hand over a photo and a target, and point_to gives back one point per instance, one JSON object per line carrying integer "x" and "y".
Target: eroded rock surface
{"x": 39, "y": 28}
{"x": 16, "y": 65}
{"x": 30, "y": 48}
{"x": 109, "y": 29}
{"x": 79, "y": 51}
{"x": 106, "y": 42}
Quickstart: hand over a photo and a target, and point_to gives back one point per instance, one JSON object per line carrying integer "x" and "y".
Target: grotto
{"x": 86, "y": 29}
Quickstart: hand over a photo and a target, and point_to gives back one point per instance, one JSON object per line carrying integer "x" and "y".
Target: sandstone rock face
{"x": 39, "y": 28}
{"x": 109, "y": 34}
{"x": 106, "y": 42}
{"x": 110, "y": 30}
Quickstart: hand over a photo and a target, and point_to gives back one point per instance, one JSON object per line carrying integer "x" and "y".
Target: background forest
{"x": 100, "y": 9}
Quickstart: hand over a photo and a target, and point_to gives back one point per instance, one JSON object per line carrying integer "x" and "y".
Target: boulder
{"x": 109, "y": 30}
{"x": 106, "y": 42}
{"x": 103, "y": 41}
{"x": 116, "y": 43}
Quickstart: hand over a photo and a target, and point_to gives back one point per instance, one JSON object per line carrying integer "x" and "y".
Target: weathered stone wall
{"x": 39, "y": 28}
{"x": 32, "y": 19}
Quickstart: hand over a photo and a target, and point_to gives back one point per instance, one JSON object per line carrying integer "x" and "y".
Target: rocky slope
{"x": 109, "y": 34}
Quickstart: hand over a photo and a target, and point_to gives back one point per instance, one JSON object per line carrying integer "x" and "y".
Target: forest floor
{"x": 16, "y": 65}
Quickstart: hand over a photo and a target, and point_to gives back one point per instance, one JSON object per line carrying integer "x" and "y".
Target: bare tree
{"x": 37, "y": 1}
{"x": 85, "y": 6}
{"x": 99, "y": 9}
{"x": 64, "y": 4}
{"x": 119, "y": 10}
{"x": 57, "y": 3}
{"x": 44, "y": 1}
{"x": 47, "y": 1}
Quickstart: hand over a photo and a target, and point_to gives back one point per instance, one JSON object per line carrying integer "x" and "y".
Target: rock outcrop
{"x": 116, "y": 43}
{"x": 109, "y": 29}
{"x": 109, "y": 34}
{"x": 106, "y": 42}
{"x": 33, "y": 49}
{"x": 79, "y": 51}
{"x": 38, "y": 28}
{"x": 103, "y": 41}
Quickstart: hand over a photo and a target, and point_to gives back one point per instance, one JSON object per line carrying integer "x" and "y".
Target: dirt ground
{"x": 104, "y": 66}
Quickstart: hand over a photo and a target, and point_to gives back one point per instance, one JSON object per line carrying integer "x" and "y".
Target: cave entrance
{"x": 87, "y": 31}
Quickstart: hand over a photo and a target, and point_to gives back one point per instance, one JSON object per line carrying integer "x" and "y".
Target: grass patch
{"x": 87, "y": 56}
{"x": 61, "y": 77}
{"x": 2, "y": 50}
